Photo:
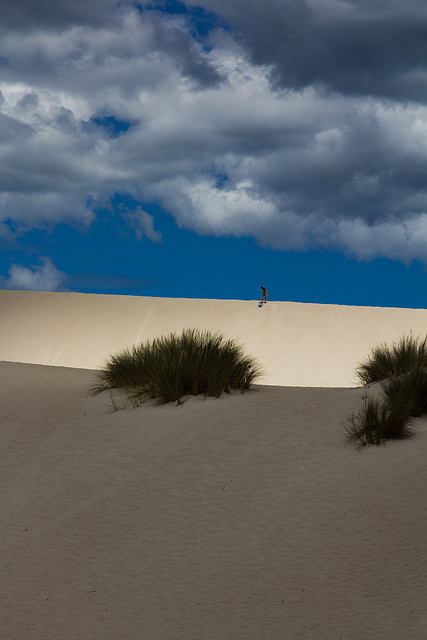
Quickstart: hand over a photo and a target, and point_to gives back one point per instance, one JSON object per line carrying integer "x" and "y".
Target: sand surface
{"x": 309, "y": 345}
{"x": 243, "y": 518}
{"x": 249, "y": 517}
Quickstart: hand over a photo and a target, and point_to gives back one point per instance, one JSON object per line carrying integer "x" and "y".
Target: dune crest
{"x": 297, "y": 344}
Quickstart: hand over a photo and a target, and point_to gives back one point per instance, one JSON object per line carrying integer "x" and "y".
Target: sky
{"x": 203, "y": 148}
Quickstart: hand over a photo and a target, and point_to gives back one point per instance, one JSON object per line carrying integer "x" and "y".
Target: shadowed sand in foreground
{"x": 243, "y": 517}
{"x": 247, "y": 517}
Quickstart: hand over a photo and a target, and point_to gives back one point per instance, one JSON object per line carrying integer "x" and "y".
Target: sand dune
{"x": 247, "y": 517}
{"x": 311, "y": 345}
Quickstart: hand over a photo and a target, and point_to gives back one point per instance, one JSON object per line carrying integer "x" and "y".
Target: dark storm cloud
{"x": 178, "y": 43}
{"x": 357, "y": 48}
{"x": 27, "y": 15}
{"x": 42, "y": 55}
{"x": 12, "y": 129}
{"x": 366, "y": 170}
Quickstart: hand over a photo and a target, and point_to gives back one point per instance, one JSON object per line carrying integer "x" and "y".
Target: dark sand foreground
{"x": 243, "y": 518}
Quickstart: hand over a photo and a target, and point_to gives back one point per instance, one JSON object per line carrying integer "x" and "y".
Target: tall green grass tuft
{"x": 387, "y": 362}
{"x": 379, "y": 421}
{"x": 402, "y": 371}
{"x": 170, "y": 367}
{"x": 410, "y": 389}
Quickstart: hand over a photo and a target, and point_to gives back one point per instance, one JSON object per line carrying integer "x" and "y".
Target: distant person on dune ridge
{"x": 264, "y": 295}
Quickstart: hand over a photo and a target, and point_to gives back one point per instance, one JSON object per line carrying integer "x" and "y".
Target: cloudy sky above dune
{"x": 205, "y": 147}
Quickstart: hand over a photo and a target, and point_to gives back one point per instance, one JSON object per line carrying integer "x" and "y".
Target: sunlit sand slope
{"x": 313, "y": 345}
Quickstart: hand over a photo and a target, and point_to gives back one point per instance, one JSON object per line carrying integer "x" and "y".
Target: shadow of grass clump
{"x": 170, "y": 367}
{"x": 402, "y": 370}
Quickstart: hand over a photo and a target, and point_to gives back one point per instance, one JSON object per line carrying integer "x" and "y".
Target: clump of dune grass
{"x": 402, "y": 371}
{"x": 173, "y": 366}
{"x": 387, "y": 362}
{"x": 409, "y": 388}
{"x": 379, "y": 421}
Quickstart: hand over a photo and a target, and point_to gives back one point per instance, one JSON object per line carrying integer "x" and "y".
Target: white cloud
{"x": 404, "y": 241}
{"x": 45, "y": 209}
{"x": 43, "y": 277}
{"x": 206, "y": 134}
{"x": 142, "y": 223}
